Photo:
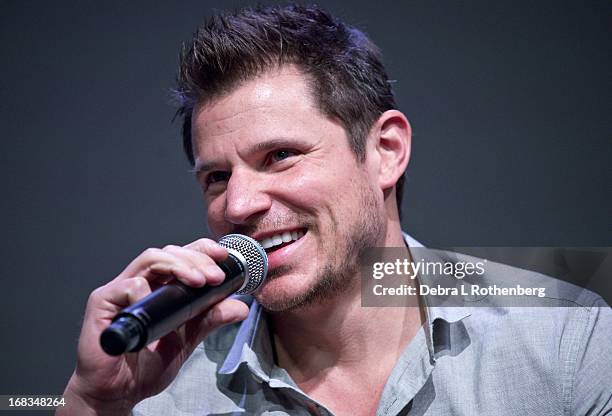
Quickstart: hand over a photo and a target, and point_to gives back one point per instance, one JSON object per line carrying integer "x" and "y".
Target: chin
{"x": 282, "y": 293}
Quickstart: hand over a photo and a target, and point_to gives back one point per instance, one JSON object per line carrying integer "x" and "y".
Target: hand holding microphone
{"x": 205, "y": 273}
{"x": 164, "y": 310}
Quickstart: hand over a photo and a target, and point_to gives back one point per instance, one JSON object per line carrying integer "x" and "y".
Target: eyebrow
{"x": 201, "y": 167}
{"x": 279, "y": 143}
{"x": 260, "y": 147}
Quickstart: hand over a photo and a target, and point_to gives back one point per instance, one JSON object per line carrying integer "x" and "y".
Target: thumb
{"x": 197, "y": 328}
{"x": 223, "y": 313}
{"x": 226, "y": 312}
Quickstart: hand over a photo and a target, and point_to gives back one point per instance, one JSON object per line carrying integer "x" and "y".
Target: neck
{"x": 340, "y": 333}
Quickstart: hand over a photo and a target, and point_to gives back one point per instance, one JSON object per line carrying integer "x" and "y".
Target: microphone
{"x": 168, "y": 307}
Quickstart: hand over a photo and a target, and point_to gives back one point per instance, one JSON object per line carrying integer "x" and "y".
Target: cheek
{"x": 215, "y": 214}
{"x": 308, "y": 189}
{"x": 328, "y": 186}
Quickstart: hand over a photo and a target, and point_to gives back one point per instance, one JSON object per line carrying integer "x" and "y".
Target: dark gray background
{"x": 509, "y": 101}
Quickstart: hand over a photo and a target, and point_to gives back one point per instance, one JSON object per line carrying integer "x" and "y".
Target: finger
{"x": 209, "y": 247}
{"x": 204, "y": 264}
{"x": 102, "y": 306}
{"x": 223, "y": 313}
{"x": 158, "y": 264}
{"x": 117, "y": 295}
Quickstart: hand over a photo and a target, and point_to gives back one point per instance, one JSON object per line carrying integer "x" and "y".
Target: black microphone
{"x": 168, "y": 307}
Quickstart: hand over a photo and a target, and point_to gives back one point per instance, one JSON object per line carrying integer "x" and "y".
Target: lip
{"x": 284, "y": 254}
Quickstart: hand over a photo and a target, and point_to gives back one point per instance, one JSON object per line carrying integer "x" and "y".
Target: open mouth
{"x": 280, "y": 240}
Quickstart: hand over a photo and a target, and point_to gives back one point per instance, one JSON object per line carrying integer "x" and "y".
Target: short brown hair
{"x": 343, "y": 66}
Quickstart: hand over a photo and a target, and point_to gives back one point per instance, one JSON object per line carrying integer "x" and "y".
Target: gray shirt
{"x": 484, "y": 359}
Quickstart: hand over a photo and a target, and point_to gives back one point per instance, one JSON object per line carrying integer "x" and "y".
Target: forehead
{"x": 276, "y": 104}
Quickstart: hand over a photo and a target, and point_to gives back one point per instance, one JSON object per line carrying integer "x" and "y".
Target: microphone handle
{"x": 167, "y": 308}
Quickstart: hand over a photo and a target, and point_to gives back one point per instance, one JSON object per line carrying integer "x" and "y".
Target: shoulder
{"x": 559, "y": 341}
{"x": 554, "y": 309}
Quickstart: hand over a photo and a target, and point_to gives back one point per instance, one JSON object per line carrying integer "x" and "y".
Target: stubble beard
{"x": 340, "y": 273}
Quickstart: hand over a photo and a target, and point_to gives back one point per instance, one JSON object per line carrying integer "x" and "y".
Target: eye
{"x": 217, "y": 176}
{"x": 282, "y": 154}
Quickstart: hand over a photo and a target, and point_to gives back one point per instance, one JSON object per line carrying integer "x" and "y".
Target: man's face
{"x": 273, "y": 167}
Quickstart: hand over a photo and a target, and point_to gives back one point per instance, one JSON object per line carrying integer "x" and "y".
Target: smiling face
{"x": 273, "y": 167}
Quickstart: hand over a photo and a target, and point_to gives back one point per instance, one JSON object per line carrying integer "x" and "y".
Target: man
{"x": 291, "y": 125}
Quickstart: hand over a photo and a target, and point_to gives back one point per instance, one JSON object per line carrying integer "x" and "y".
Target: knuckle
{"x": 206, "y": 243}
{"x": 135, "y": 288}
{"x": 139, "y": 283}
{"x": 176, "y": 270}
{"x": 96, "y": 294}
{"x": 171, "y": 247}
{"x": 130, "y": 292}
{"x": 150, "y": 253}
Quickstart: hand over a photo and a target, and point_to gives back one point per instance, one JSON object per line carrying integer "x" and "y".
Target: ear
{"x": 392, "y": 136}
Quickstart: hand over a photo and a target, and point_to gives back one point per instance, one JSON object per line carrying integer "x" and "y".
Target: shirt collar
{"x": 449, "y": 314}
{"x": 252, "y": 344}
{"x": 440, "y": 322}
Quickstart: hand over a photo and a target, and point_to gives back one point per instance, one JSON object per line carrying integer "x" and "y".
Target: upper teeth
{"x": 278, "y": 239}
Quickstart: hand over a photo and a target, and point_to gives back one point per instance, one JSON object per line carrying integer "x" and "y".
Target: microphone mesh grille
{"x": 255, "y": 256}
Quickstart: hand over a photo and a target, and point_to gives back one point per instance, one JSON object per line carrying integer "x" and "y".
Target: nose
{"x": 245, "y": 196}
